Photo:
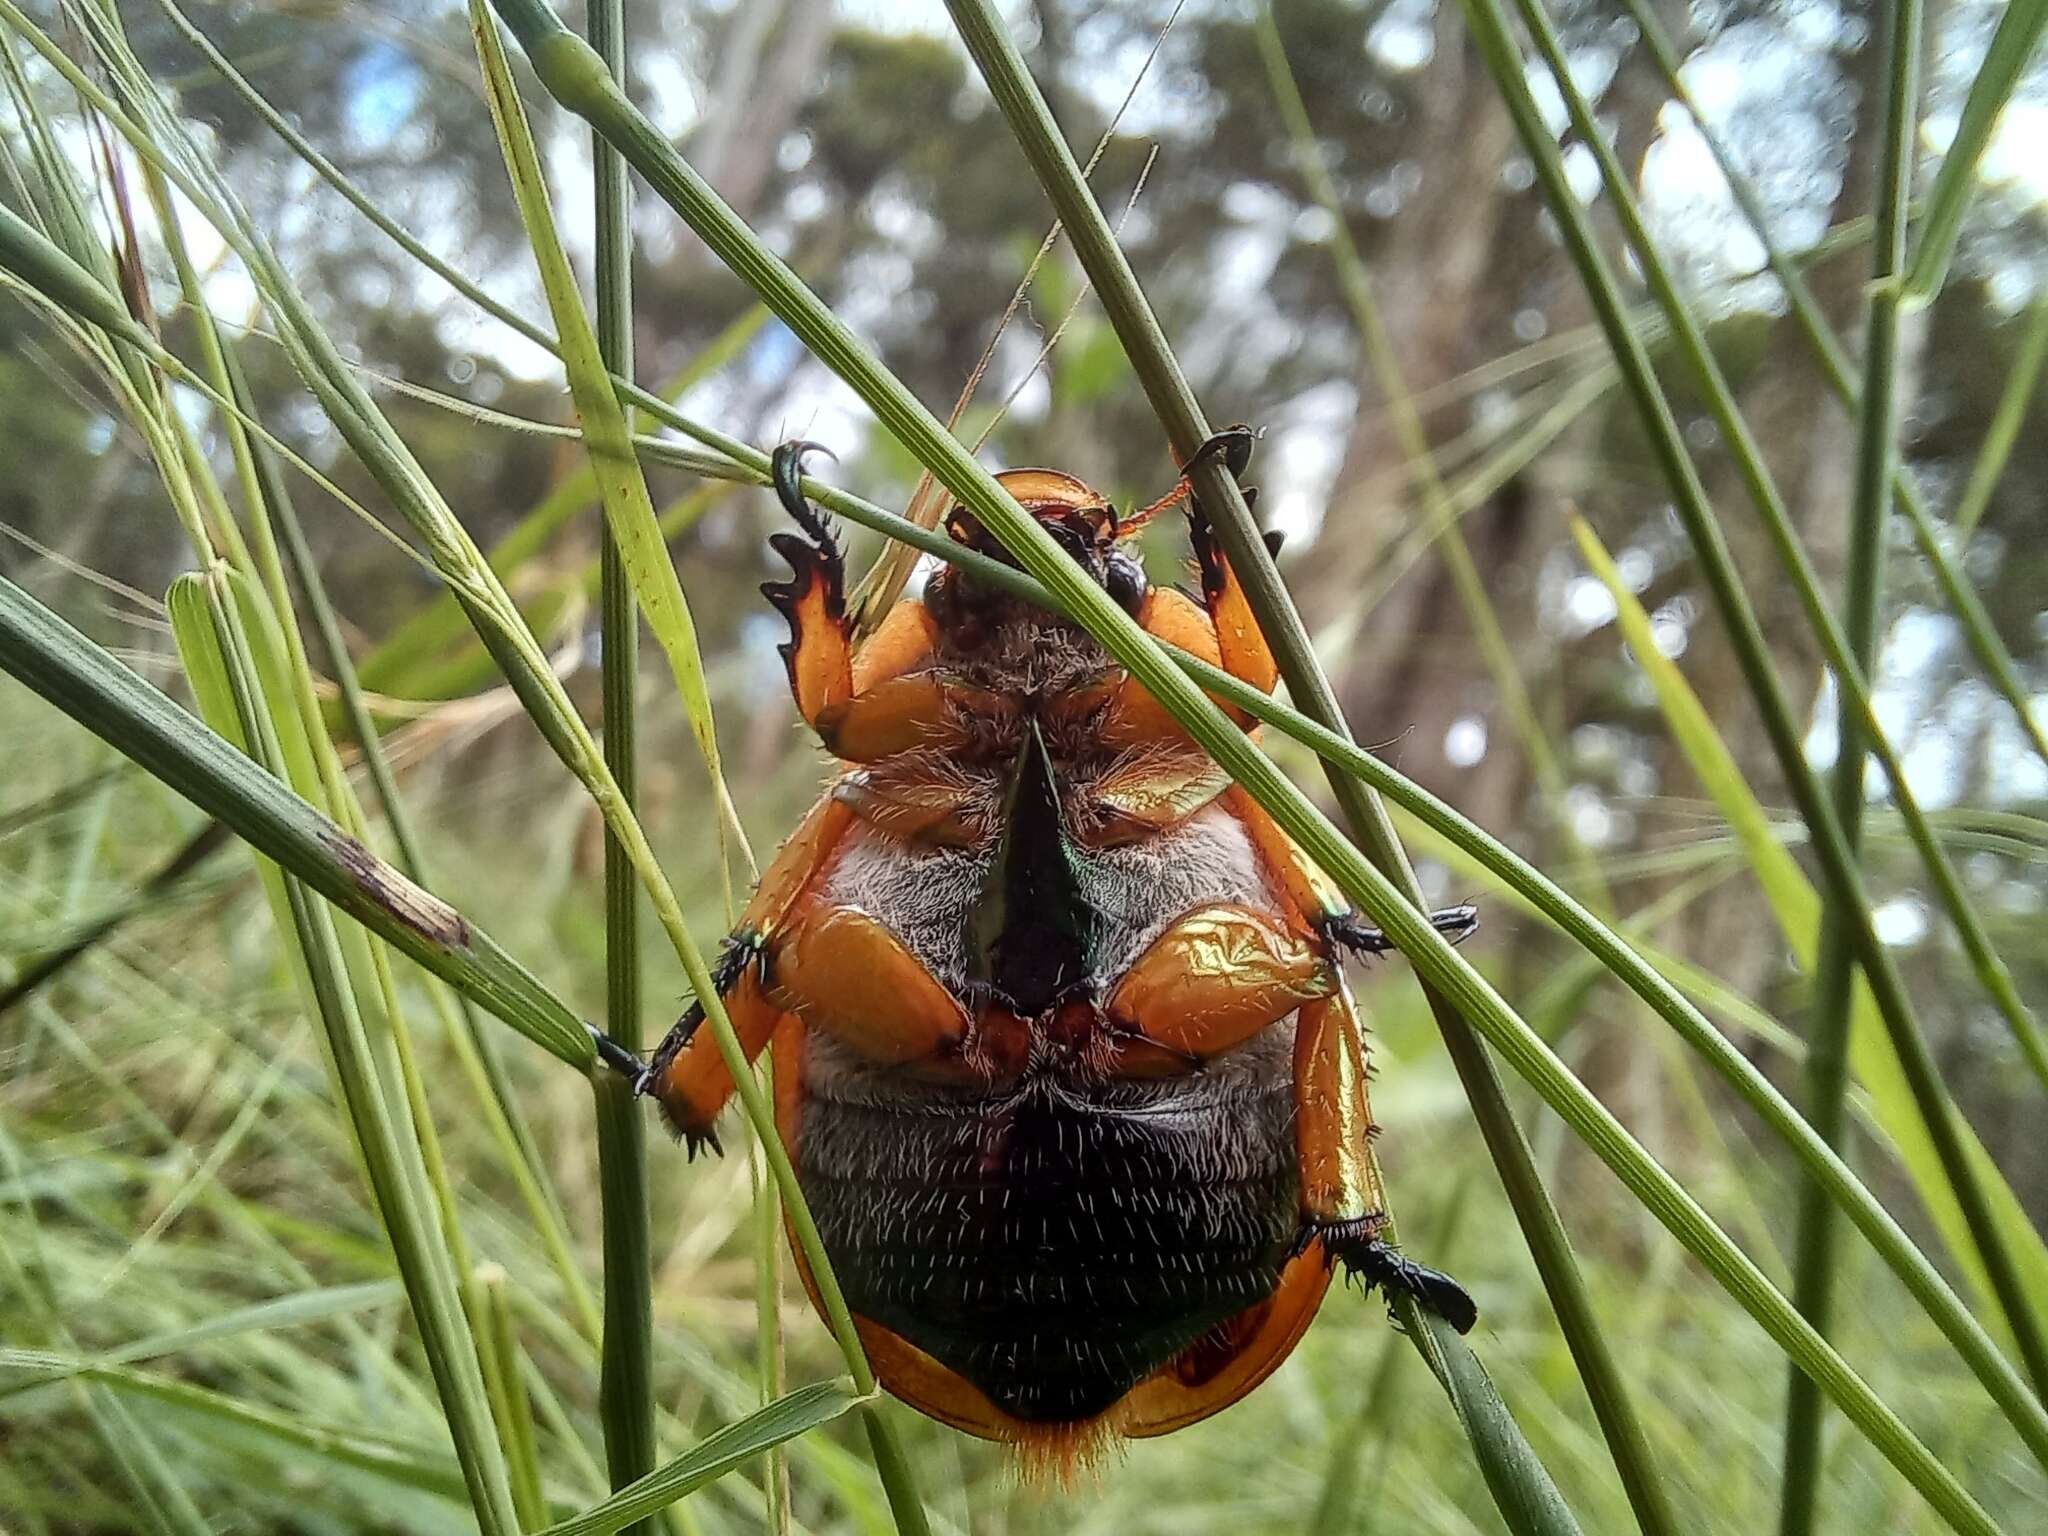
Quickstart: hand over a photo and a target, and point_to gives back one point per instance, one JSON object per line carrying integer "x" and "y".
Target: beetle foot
{"x": 620, "y": 1060}
{"x": 1233, "y": 445}
{"x": 1373, "y": 1261}
{"x": 699, "y": 1141}
{"x": 1354, "y": 933}
{"x": 817, "y": 564}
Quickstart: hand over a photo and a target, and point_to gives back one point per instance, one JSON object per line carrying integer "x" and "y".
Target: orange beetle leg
{"x": 862, "y": 706}
{"x": 1216, "y": 977}
{"x": 688, "y": 1073}
{"x": 689, "y": 1077}
{"x": 1343, "y": 1207}
{"x": 1134, "y": 717}
{"x": 1242, "y": 643}
{"x": 841, "y": 971}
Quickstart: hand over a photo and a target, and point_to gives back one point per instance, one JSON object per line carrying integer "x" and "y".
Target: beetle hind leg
{"x": 1374, "y": 1262}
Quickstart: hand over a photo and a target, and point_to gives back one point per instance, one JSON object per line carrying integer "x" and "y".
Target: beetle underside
{"x": 1064, "y": 1054}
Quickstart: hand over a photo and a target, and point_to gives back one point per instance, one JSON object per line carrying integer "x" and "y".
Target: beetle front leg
{"x": 1342, "y": 1206}
{"x": 1238, "y": 637}
{"x": 884, "y": 700}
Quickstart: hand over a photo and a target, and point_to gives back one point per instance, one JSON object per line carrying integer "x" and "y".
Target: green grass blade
{"x": 216, "y": 661}
{"x": 1978, "y": 629}
{"x": 712, "y": 1457}
{"x": 1753, "y": 653}
{"x": 1180, "y": 415}
{"x": 2006, "y": 419}
{"x": 629, "y": 509}
{"x": 626, "y": 1385}
{"x": 2012, "y": 45}
{"x": 1796, "y": 907}
{"x": 1827, "y": 1063}
{"x": 59, "y": 663}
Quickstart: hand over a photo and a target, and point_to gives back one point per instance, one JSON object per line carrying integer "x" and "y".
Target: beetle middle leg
{"x": 1457, "y": 924}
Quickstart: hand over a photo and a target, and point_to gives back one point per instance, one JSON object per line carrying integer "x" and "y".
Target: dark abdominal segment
{"x": 1058, "y": 1244}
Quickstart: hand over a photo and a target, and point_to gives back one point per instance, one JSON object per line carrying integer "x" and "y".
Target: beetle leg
{"x": 1217, "y": 976}
{"x": 884, "y": 700}
{"x": 1242, "y": 643}
{"x": 1342, "y": 1206}
{"x": 841, "y": 971}
{"x": 1457, "y": 924}
{"x": 687, "y": 1073}
{"x": 819, "y": 654}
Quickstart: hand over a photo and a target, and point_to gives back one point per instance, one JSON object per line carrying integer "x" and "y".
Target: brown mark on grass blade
{"x": 418, "y": 908}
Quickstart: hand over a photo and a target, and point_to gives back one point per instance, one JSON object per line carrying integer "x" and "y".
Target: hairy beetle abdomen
{"x": 1058, "y": 1243}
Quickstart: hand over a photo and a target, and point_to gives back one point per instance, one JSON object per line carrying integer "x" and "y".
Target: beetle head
{"x": 1079, "y": 518}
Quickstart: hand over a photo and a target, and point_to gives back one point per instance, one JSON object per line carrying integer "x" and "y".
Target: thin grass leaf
{"x": 626, "y": 1383}
{"x": 629, "y": 509}
{"x": 2012, "y": 45}
{"x": 57, "y": 662}
{"x": 1490, "y": 27}
{"x": 712, "y": 1457}
{"x": 1180, "y": 415}
{"x": 212, "y": 647}
{"x": 1796, "y": 907}
{"x": 2006, "y": 419}
{"x": 1877, "y": 464}
{"x": 320, "y": 364}
{"x": 297, "y": 1436}
{"x": 1978, "y": 628}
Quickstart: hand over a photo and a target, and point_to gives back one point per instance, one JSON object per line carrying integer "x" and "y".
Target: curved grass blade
{"x": 712, "y": 1457}
{"x": 629, "y": 509}
{"x": 57, "y": 662}
{"x": 2012, "y": 45}
{"x": 1796, "y": 907}
{"x": 1978, "y": 629}
{"x": 217, "y": 661}
{"x": 2007, "y": 417}
{"x": 320, "y": 364}
{"x": 1094, "y": 242}
{"x": 1489, "y": 25}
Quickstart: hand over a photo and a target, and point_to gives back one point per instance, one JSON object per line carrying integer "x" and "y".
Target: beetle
{"x": 1064, "y": 1053}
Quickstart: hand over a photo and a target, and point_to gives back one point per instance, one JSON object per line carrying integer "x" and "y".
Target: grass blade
{"x": 1827, "y": 1062}
{"x": 626, "y": 1384}
{"x": 629, "y": 509}
{"x": 715, "y": 1455}
{"x": 1180, "y": 415}
{"x": 59, "y": 663}
{"x": 1489, "y": 24}
{"x": 202, "y": 618}
{"x": 2012, "y": 45}
{"x": 2006, "y": 419}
